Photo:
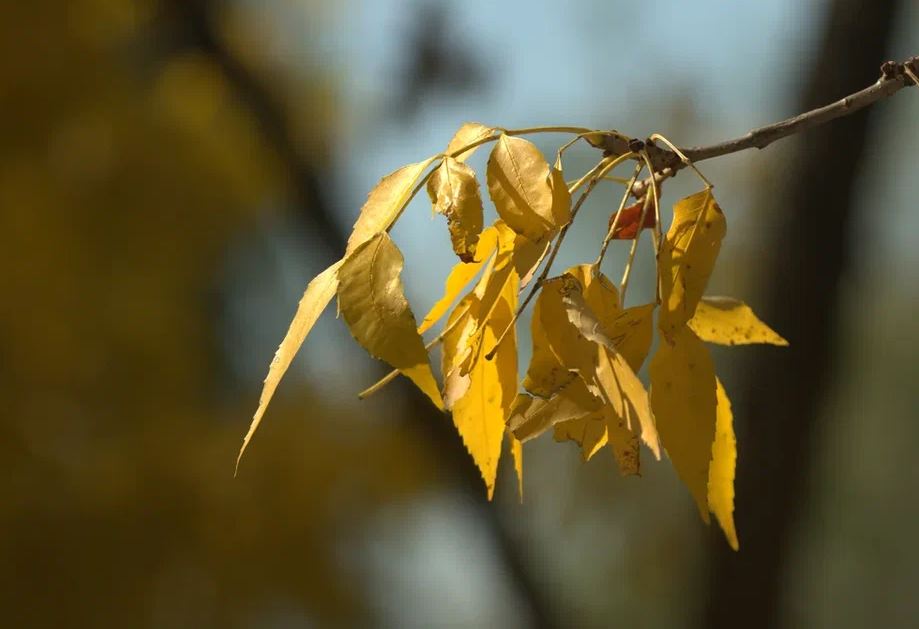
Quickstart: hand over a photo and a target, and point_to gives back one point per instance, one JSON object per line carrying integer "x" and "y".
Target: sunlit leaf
{"x": 546, "y": 374}
{"x": 561, "y": 198}
{"x": 468, "y": 133}
{"x": 728, "y": 321}
{"x": 721, "y": 472}
{"x": 454, "y": 192}
{"x": 480, "y": 414}
{"x": 687, "y": 258}
{"x": 372, "y": 301}
{"x": 385, "y": 202}
{"x": 518, "y": 182}
{"x": 460, "y": 276}
{"x": 631, "y": 332}
{"x": 627, "y": 225}
{"x": 590, "y": 432}
{"x": 683, "y": 400}
{"x": 318, "y": 294}
{"x": 517, "y": 454}
{"x": 531, "y": 417}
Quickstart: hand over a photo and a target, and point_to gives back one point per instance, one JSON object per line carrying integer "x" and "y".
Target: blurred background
{"x": 172, "y": 174}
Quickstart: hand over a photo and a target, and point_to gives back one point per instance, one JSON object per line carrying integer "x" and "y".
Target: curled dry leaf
{"x": 687, "y": 257}
{"x": 454, "y": 193}
{"x": 372, "y": 301}
{"x": 729, "y": 321}
{"x": 318, "y": 294}
{"x": 724, "y": 462}
{"x": 683, "y": 400}
{"x": 518, "y": 182}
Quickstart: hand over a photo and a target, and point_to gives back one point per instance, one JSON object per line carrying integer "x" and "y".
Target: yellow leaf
{"x": 589, "y": 432}
{"x": 456, "y": 347}
{"x": 728, "y": 321}
{"x": 461, "y": 274}
{"x": 454, "y": 192}
{"x": 683, "y": 401}
{"x": 317, "y": 296}
{"x": 517, "y": 454}
{"x": 546, "y": 375}
{"x": 480, "y": 414}
{"x": 599, "y": 292}
{"x": 561, "y": 199}
{"x": 531, "y": 417}
{"x": 631, "y": 332}
{"x": 623, "y": 442}
{"x": 724, "y": 461}
{"x": 518, "y": 184}
{"x": 372, "y": 301}
{"x": 385, "y": 202}
{"x": 687, "y": 258}
{"x": 467, "y": 134}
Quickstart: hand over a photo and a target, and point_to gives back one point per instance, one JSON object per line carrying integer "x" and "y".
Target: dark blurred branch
{"x": 667, "y": 163}
{"x": 779, "y": 402}
{"x": 197, "y": 19}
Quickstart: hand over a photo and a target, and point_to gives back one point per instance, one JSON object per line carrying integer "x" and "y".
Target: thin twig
{"x": 895, "y": 76}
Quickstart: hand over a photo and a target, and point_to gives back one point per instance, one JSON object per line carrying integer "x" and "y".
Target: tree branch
{"x": 894, "y": 77}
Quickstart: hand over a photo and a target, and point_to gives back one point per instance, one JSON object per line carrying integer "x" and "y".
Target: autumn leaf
{"x": 546, "y": 374}
{"x": 385, "y": 202}
{"x": 517, "y": 455}
{"x": 531, "y": 417}
{"x": 460, "y": 276}
{"x": 561, "y": 198}
{"x": 468, "y": 133}
{"x": 480, "y": 414}
{"x": 728, "y": 321}
{"x": 687, "y": 257}
{"x": 518, "y": 182}
{"x": 590, "y": 432}
{"x": 684, "y": 404}
{"x": 318, "y": 294}
{"x": 627, "y": 225}
{"x": 372, "y": 301}
{"x": 454, "y": 192}
{"x": 724, "y": 461}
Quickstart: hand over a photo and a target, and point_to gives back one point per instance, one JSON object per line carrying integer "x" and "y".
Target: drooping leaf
{"x": 687, "y": 258}
{"x": 454, "y": 192}
{"x": 318, "y": 294}
{"x": 561, "y": 198}
{"x": 590, "y": 432}
{"x": 517, "y": 454}
{"x": 599, "y": 292}
{"x": 631, "y": 332}
{"x": 627, "y": 225}
{"x": 468, "y": 133}
{"x": 481, "y": 413}
{"x": 372, "y": 300}
{"x": 460, "y": 276}
{"x": 624, "y": 443}
{"x": 531, "y": 417}
{"x": 684, "y": 403}
{"x": 456, "y": 348}
{"x": 385, "y": 202}
{"x": 545, "y": 375}
{"x": 728, "y": 321}
{"x": 724, "y": 462}
{"x": 519, "y": 187}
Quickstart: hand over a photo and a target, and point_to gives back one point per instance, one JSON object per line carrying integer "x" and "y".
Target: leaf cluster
{"x": 581, "y": 383}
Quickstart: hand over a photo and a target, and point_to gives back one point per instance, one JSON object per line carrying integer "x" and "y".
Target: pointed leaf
{"x": 518, "y": 184}
{"x": 561, "y": 198}
{"x": 468, "y": 133}
{"x": 460, "y": 276}
{"x": 687, "y": 258}
{"x": 372, "y": 300}
{"x": 590, "y": 432}
{"x": 546, "y": 375}
{"x": 724, "y": 462}
{"x": 454, "y": 192}
{"x": 385, "y": 203}
{"x": 517, "y": 454}
{"x": 317, "y": 296}
{"x": 683, "y": 400}
{"x": 728, "y": 321}
{"x": 480, "y": 414}
{"x": 531, "y": 417}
